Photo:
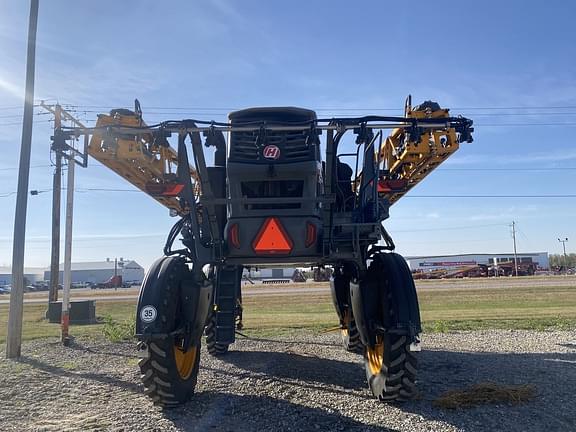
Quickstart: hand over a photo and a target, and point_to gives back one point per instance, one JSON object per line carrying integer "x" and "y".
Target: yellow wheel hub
{"x": 185, "y": 360}
{"x": 375, "y": 356}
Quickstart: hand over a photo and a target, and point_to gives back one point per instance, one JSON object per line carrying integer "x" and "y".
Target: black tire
{"x": 169, "y": 374}
{"x": 350, "y": 336}
{"x": 390, "y": 365}
{"x": 214, "y": 348}
{"x": 391, "y": 369}
{"x": 163, "y": 382}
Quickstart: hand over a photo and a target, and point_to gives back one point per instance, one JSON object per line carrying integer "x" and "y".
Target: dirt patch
{"x": 485, "y": 393}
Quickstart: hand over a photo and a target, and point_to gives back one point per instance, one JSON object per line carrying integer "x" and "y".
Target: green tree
{"x": 557, "y": 260}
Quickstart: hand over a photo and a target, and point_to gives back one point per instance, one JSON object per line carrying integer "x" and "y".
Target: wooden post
{"x": 67, "y": 280}
{"x": 14, "y": 337}
{"x": 56, "y": 198}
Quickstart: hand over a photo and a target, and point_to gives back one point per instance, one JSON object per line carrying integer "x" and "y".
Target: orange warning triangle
{"x": 272, "y": 238}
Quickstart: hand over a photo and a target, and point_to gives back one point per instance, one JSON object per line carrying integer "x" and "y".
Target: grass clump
{"x": 485, "y": 393}
{"x": 117, "y": 331}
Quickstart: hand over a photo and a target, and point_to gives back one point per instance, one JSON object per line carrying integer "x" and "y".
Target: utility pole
{"x": 515, "y": 254}
{"x": 56, "y": 197}
{"x": 59, "y": 148}
{"x": 14, "y": 337}
{"x": 565, "y": 256}
{"x": 70, "y": 153}
{"x": 67, "y": 280}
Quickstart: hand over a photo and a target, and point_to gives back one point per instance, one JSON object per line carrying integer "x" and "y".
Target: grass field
{"x": 527, "y": 307}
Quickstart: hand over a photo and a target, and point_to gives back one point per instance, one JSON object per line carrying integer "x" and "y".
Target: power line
{"x": 492, "y": 196}
{"x": 105, "y": 190}
{"x": 200, "y": 111}
{"x": 476, "y": 124}
{"x": 408, "y": 196}
{"x": 33, "y": 166}
{"x": 438, "y": 169}
{"x": 21, "y": 115}
{"x": 81, "y": 190}
{"x": 522, "y": 124}
{"x": 449, "y": 228}
{"x": 19, "y": 123}
{"x": 224, "y": 108}
{"x": 508, "y": 169}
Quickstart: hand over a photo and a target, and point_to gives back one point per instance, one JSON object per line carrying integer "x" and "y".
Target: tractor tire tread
{"x": 214, "y": 348}
{"x": 351, "y": 339}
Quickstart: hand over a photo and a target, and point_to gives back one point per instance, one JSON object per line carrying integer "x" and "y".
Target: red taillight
{"x": 310, "y": 234}
{"x": 234, "y": 236}
{"x": 272, "y": 239}
{"x": 164, "y": 189}
{"x": 392, "y": 185}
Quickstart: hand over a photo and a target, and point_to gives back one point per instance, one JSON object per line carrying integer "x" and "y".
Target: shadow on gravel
{"x": 101, "y": 378}
{"x": 234, "y": 413}
{"x": 287, "y": 342}
{"x": 552, "y": 374}
{"x": 291, "y": 366}
{"x": 568, "y": 345}
{"x": 99, "y": 351}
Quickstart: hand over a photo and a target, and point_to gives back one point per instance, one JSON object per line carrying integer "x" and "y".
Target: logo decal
{"x": 271, "y": 152}
{"x": 148, "y": 314}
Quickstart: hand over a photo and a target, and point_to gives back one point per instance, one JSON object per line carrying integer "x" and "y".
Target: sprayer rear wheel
{"x": 390, "y": 364}
{"x": 169, "y": 373}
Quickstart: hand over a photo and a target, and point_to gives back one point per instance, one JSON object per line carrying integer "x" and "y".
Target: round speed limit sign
{"x": 148, "y": 313}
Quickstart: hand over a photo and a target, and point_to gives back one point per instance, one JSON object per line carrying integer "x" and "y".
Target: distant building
{"x": 33, "y": 274}
{"x": 269, "y": 273}
{"x": 101, "y": 271}
{"x": 426, "y": 263}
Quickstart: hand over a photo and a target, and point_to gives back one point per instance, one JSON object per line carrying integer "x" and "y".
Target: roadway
{"x": 128, "y": 294}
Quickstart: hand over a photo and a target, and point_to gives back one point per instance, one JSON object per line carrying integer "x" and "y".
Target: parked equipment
{"x": 272, "y": 199}
{"x": 114, "y": 282}
{"x": 298, "y": 276}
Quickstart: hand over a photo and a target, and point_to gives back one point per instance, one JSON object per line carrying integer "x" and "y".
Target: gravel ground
{"x": 304, "y": 382}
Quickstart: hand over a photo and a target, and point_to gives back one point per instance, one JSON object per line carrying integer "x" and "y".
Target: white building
{"x": 427, "y": 263}
{"x": 269, "y": 273}
{"x": 99, "y": 272}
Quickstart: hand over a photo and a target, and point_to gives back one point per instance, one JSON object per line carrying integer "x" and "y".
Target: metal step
{"x": 227, "y": 281}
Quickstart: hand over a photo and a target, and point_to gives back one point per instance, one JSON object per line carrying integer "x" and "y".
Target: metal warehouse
{"x": 453, "y": 261}
{"x": 99, "y": 272}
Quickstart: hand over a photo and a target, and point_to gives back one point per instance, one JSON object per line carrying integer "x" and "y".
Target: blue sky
{"x": 327, "y": 55}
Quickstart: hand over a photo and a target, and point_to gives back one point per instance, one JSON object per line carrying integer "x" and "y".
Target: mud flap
{"x": 385, "y": 300}
{"x": 406, "y": 318}
{"x": 364, "y": 295}
{"x": 169, "y": 279}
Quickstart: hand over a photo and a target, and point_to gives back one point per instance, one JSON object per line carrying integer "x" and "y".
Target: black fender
{"x": 168, "y": 282}
{"x": 401, "y": 283}
{"x": 387, "y": 273}
{"x": 365, "y": 299}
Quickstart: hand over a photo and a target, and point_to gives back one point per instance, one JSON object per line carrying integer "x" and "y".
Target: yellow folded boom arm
{"x": 141, "y": 160}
